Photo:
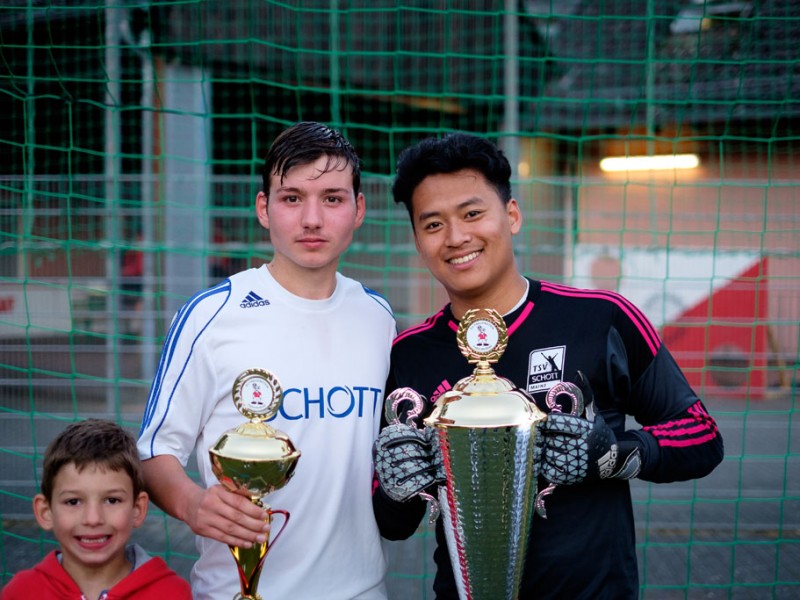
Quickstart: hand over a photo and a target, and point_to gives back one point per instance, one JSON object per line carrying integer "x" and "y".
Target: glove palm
{"x": 407, "y": 460}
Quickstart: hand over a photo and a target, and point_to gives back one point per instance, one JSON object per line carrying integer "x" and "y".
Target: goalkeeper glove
{"x": 574, "y": 449}
{"x": 407, "y": 460}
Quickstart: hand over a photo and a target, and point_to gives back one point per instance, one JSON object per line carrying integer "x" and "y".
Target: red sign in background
{"x": 721, "y": 342}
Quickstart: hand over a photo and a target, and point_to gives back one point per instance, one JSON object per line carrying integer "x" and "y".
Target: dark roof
{"x": 583, "y": 64}
{"x": 711, "y": 62}
{"x": 379, "y": 46}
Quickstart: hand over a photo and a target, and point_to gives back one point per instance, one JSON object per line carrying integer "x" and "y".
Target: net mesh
{"x": 132, "y": 139}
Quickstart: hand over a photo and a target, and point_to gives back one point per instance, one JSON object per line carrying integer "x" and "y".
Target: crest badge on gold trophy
{"x": 253, "y": 460}
{"x": 486, "y": 430}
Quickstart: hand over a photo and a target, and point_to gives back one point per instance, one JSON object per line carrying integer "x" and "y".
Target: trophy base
{"x": 240, "y": 596}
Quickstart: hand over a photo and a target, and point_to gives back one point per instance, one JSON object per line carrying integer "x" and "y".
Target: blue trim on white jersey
{"x": 170, "y": 346}
{"x": 379, "y": 299}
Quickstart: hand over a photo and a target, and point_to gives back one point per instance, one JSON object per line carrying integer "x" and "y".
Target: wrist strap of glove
{"x": 629, "y": 460}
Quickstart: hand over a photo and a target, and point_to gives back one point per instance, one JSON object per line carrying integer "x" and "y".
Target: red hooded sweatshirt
{"x": 151, "y": 579}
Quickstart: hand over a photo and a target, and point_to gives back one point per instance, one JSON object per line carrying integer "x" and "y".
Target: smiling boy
{"x": 91, "y": 500}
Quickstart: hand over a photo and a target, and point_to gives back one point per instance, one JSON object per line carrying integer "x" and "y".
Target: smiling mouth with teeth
{"x": 463, "y": 259}
{"x": 94, "y": 540}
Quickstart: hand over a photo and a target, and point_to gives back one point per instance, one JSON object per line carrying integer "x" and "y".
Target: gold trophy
{"x": 486, "y": 430}
{"x": 254, "y": 460}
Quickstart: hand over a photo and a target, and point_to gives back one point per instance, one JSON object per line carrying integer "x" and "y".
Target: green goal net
{"x": 655, "y": 147}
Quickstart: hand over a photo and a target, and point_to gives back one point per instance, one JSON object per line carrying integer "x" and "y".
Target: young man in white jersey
{"x": 327, "y": 339}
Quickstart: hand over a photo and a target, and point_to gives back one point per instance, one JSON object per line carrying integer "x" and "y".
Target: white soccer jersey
{"x": 331, "y": 358}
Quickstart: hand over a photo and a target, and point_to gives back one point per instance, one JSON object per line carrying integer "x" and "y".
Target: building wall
{"x": 741, "y": 206}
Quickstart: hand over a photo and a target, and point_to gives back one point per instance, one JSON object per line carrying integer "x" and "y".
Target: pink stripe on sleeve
{"x": 642, "y": 323}
{"x": 686, "y": 443}
{"x": 679, "y": 432}
{"x": 692, "y": 432}
{"x": 670, "y": 425}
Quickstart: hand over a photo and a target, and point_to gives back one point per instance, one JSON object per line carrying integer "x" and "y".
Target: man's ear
{"x": 261, "y": 209}
{"x": 43, "y": 512}
{"x": 140, "y": 505}
{"x": 514, "y": 216}
{"x": 361, "y": 209}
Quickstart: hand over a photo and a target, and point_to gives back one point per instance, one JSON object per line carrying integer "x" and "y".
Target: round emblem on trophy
{"x": 257, "y": 394}
{"x": 482, "y": 335}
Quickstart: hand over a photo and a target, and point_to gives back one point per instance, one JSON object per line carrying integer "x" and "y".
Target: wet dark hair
{"x": 304, "y": 143}
{"x": 448, "y": 154}
{"x": 92, "y": 442}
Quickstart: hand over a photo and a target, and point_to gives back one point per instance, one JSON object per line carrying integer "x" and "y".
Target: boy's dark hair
{"x": 92, "y": 442}
{"x": 451, "y": 153}
{"x": 304, "y": 143}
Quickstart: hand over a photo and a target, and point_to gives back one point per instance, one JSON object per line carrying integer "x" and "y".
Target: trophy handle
{"x": 397, "y": 397}
{"x": 285, "y": 515}
{"x": 434, "y": 508}
{"x": 250, "y": 561}
{"x": 573, "y": 392}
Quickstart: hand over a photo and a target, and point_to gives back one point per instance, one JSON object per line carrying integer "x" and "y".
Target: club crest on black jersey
{"x": 545, "y": 368}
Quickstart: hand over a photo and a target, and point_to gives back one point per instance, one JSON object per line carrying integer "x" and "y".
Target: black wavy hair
{"x": 448, "y": 154}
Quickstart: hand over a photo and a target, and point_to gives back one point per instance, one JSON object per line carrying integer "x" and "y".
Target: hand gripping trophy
{"x": 254, "y": 460}
{"x": 486, "y": 431}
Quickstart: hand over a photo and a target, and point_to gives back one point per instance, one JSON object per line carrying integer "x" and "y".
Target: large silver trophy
{"x": 486, "y": 430}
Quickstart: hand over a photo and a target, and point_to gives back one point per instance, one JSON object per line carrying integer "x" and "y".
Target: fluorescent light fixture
{"x": 650, "y": 163}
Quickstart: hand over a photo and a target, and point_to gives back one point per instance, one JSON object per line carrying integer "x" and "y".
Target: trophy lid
{"x": 257, "y": 395}
{"x": 484, "y": 399}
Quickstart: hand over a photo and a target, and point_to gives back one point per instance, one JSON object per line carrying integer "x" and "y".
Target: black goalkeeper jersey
{"x": 586, "y": 546}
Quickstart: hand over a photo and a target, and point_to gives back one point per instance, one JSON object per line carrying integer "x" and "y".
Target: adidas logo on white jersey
{"x": 253, "y": 300}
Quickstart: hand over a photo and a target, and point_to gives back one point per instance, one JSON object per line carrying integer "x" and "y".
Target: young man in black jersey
{"x": 458, "y": 195}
